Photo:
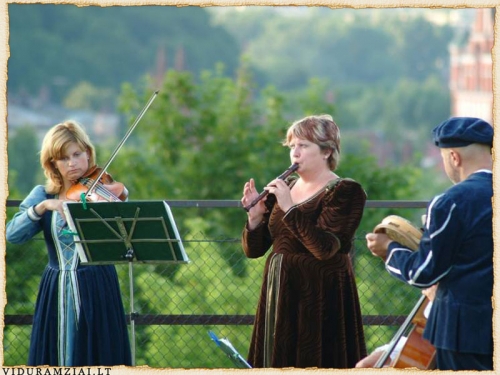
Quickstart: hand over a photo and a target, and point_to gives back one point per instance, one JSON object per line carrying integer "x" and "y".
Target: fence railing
{"x": 175, "y": 305}
{"x": 235, "y": 203}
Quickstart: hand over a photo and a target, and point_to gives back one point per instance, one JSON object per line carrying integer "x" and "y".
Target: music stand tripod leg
{"x": 130, "y": 257}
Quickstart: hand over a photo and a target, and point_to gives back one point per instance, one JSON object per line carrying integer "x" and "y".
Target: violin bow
{"x": 119, "y": 146}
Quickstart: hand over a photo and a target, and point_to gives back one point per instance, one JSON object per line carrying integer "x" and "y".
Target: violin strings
{"x": 101, "y": 190}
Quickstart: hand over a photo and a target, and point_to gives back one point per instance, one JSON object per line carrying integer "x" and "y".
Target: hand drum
{"x": 400, "y": 230}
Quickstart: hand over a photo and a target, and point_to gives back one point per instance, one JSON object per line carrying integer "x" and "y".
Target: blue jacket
{"x": 456, "y": 250}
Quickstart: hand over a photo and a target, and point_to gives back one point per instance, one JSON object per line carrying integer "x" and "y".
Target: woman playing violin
{"x": 79, "y": 318}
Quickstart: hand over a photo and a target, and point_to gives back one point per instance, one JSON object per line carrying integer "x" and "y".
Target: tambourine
{"x": 400, "y": 230}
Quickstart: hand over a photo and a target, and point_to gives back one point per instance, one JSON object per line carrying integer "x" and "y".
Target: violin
{"x": 106, "y": 189}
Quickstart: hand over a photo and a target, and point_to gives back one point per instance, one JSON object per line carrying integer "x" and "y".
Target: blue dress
{"x": 456, "y": 251}
{"x": 79, "y": 318}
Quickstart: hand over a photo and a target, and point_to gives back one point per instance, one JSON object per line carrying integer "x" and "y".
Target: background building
{"x": 471, "y": 68}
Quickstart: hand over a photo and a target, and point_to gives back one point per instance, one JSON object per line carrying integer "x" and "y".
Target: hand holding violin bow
{"x": 96, "y": 186}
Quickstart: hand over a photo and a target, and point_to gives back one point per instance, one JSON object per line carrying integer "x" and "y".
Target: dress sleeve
{"x": 25, "y": 223}
{"x": 341, "y": 212}
{"x": 256, "y": 242}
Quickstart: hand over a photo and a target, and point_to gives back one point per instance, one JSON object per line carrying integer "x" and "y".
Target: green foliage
{"x": 420, "y": 44}
{"x": 59, "y": 46}
{"x": 24, "y": 165}
{"x": 20, "y": 301}
{"x": 318, "y": 98}
{"x": 342, "y": 46}
{"x": 399, "y": 118}
{"x": 86, "y": 96}
{"x": 377, "y": 70}
{"x": 16, "y": 348}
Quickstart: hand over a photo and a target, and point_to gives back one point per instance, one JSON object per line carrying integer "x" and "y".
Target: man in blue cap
{"x": 456, "y": 249}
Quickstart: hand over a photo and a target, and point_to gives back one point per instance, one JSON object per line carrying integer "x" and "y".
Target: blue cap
{"x": 462, "y": 131}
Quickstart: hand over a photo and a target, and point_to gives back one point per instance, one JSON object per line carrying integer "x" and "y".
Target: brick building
{"x": 471, "y": 68}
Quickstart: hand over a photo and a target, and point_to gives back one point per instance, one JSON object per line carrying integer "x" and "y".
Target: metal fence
{"x": 175, "y": 306}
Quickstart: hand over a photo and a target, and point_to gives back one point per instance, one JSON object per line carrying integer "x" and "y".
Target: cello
{"x": 416, "y": 352}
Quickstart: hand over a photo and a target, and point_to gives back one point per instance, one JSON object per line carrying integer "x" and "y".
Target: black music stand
{"x": 119, "y": 232}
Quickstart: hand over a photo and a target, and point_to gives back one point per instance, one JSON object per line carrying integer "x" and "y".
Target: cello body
{"x": 417, "y": 352}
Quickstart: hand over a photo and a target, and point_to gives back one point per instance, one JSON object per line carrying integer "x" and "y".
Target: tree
{"x": 86, "y": 96}
{"x": 343, "y": 46}
{"x": 423, "y": 48}
{"x": 58, "y": 46}
{"x": 24, "y": 165}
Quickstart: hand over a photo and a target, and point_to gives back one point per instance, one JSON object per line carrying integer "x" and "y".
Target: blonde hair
{"x": 54, "y": 146}
{"x": 321, "y": 130}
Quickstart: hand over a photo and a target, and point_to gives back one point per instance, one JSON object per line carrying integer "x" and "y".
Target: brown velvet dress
{"x": 308, "y": 313}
